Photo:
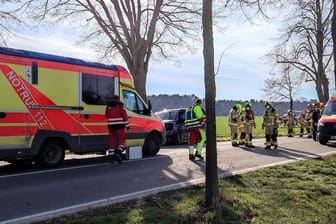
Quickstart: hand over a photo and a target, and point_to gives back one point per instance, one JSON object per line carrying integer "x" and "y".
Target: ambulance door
{"x": 15, "y": 97}
{"x": 96, "y": 90}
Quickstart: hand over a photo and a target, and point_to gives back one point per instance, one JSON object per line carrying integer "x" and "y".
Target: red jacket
{"x": 116, "y": 115}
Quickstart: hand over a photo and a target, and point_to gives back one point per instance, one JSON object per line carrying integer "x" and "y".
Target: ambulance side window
{"x": 97, "y": 90}
{"x": 133, "y": 102}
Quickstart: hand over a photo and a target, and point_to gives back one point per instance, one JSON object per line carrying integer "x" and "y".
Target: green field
{"x": 223, "y": 130}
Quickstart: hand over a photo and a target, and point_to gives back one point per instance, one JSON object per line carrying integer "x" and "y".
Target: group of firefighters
{"x": 308, "y": 119}
{"x": 241, "y": 122}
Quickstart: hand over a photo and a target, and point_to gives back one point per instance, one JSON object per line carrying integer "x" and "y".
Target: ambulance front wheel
{"x": 51, "y": 154}
{"x": 152, "y": 145}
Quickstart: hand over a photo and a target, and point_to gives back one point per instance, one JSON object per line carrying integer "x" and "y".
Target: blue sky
{"x": 241, "y": 75}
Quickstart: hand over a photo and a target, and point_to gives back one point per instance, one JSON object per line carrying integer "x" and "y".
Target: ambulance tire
{"x": 152, "y": 145}
{"x": 51, "y": 153}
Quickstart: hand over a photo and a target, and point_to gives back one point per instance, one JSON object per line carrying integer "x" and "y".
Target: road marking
{"x": 99, "y": 203}
{"x": 73, "y": 168}
{"x": 108, "y": 201}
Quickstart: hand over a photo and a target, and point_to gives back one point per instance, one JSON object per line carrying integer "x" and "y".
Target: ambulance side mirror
{"x": 2, "y": 115}
{"x": 149, "y": 110}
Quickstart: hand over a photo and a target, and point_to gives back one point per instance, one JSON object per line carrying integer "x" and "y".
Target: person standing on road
{"x": 249, "y": 124}
{"x": 316, "y": 115}
{"x": 234, "y": 116}
{"x": 301, "y": 121}
{"x": 290, "y": 124}
{"x": 195, "y": 122}
{"x": 270, "y": 124}
{"x": 200, "y": 113}
{"x": 309, "y": 120}
{"x": 117, "y": 121}
{"x": 241, "y": 127}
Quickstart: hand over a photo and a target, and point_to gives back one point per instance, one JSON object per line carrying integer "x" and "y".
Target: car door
{"x": 182, "y": 128}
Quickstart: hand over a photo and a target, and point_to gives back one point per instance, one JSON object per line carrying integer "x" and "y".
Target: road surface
{"x": 32, "y": 194}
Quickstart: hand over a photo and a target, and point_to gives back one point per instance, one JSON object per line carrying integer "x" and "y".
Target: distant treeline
{"x": 164, "y": 101}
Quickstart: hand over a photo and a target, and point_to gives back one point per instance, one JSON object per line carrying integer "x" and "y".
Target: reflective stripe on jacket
{"x": 116, "y": 115}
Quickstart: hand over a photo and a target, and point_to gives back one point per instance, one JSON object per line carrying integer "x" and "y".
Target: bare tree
{"x": 283, "y": 85}
{"x": 211, "y": 179}
{"x": 309, "y": 34}
{"x": 333, "y": 33}
{"x": 9, "y": 22}
{"x": 133, "y": 29}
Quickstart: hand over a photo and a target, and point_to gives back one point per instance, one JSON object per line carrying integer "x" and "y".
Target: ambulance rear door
{"x": 16, "y": 125}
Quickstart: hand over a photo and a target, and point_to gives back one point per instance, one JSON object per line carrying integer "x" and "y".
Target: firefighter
{"x": 194, "y": 121}
{"x": 117, "y": 121}
{"x": 234, "y": 116}
{"x": 200, "y": 113}
{"x": 301, "y": 121}
{"x": 270, "y": 124}
{"x": 316, "y": 115}
{"x": 241, "y": 127}
{"x": 290, "y": 124}
{"x": 249, "y": 124}
{"x": 308, "y": 119}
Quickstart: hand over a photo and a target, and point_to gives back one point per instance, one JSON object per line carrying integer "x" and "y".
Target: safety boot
{"x": 191, "y": 157}
{"x": 198, "y": 156}
{"x": 117, "y": 155}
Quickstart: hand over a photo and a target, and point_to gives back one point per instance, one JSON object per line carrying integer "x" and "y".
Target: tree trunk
{"x": 323, "y": 83}
{"x": 211, "y": 179}
{"x": 333, "y": 33}
{"x": 140, "y": 76}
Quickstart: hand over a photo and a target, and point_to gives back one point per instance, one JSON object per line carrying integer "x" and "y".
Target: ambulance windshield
{"x": 330, "y": 108}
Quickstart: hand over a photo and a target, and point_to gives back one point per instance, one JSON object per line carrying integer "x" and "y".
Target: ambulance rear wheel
{"x": 152, "y": 145}
{"x": 51, "y": 154}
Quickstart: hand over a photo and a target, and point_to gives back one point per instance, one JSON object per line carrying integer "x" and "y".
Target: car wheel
{"x": 323, "y": 141}
{"x": 152, "y": 145}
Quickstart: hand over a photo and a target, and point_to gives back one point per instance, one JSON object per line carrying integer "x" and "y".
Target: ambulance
{"x": 326, "y": 130}
{"x": 52, "y": 104}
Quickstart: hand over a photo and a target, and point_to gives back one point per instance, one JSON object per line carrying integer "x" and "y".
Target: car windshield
{"x": 167, "y": 115}
{"x": 330, "y": 108}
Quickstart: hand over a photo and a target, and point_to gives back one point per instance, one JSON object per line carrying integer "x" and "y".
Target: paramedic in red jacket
{"x": 117, "y": 121}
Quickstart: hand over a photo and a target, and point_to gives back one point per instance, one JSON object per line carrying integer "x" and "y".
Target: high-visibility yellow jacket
{"x": 195, "y": 116}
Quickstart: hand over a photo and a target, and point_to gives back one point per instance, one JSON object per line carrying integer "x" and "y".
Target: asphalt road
{"x": 31, "y": 194}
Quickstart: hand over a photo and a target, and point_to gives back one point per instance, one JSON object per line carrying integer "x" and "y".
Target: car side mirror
{"x": 2, "y": 114}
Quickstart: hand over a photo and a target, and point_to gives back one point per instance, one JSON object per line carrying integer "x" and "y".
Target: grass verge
{"x": 294, "y": 193}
